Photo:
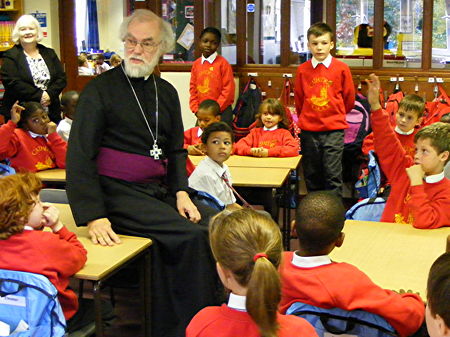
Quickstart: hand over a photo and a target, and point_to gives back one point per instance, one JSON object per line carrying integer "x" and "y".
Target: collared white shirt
{"x": 271, "y": 129}
{"x": 64, "y": 127}
{"x": 310, "y": 261}
{"x": 199, "y": 132}
{"x": 207, "y": 177}
{"x": 435, "y": 178}
{"x": 28, "y": 228}
{"x": 325, "y": 62}
{"x": 400, "y": 132}
{"x": 237, "y": 302}
{"x": 210, "y": 59}
{"x": 35, "y": 135}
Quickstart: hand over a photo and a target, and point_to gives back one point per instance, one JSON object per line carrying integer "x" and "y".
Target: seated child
{"x": 420, "y": 194}
{"x": 446, "y": 119}
{"x": 83, "y": 66}
{"x": 310, "y": 276}
{"x": 115, "y": 60}
{"x": 208, "y": 113}
{"x": 247, "y": 247}
{"x": 408, "y": 118}
{"x": 26, "y": 247}
{"x": 68, "y": 103}
{"x": 30, "y": 139}
{"x": 100, "y": 65}
{"x": 437, "y": 313}
{"x": 212, "y": 174}
{"x": 273, "y": 139}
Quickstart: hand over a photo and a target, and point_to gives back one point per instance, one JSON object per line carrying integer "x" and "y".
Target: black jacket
{"x": 19, "y": 84}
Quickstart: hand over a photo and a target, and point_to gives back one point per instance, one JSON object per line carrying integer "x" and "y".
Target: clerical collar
{"x": 210, "y": 59}
{"x": 325, "y": 62}
{"x": 310, "y": 261}
{"x": 271, "y": 129}
{"x": 35, "y": 135}
{"x": 435, "y": 178}
{"x": 199, "y": 132}
{"x": 400, "y": 132}
{"x": 237, "y": 302}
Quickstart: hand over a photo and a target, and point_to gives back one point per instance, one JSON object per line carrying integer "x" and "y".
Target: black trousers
{"x": 227, "y": 115}
{"x": 184, "y": 278}
{"x": 322, "y": 160}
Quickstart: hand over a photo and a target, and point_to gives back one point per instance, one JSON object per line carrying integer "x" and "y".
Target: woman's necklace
{"x": 155, "y": 152}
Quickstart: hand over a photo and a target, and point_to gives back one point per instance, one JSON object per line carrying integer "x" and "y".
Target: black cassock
{"x": 107, "y": 115}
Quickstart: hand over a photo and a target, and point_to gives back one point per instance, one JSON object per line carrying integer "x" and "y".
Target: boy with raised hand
{"x": 324, "y": 94}
{"x": 308, "y": 275}
{"x": 420, "y": 193}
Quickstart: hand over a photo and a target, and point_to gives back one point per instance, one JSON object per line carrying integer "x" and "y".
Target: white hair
{"x": 26, "y": 20}
{"x": 145, "y": 15}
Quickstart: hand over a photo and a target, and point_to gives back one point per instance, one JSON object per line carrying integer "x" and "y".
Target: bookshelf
{"x": 10, "y": 11}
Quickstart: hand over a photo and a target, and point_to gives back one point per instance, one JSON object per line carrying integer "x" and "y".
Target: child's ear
{"x": 217, "y": 118}
{"x": 203, "y": 147}
{"x": 443, "y": 329}
{"x": 444, "y": 156}
{"x": 340, "y": 240}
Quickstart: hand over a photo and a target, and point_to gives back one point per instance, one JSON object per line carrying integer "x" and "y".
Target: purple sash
{"x": 130, "y": 167}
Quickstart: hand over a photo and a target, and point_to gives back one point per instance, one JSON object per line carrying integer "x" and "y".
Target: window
{"x": 441, "y": 34}
{"x": 300, "y": 22}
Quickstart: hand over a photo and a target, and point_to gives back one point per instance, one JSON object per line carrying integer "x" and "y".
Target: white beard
{"x": 140, "y": 70}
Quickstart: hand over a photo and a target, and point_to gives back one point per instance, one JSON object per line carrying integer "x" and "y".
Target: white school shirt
{"x": 207, "y": 178}
{"x": 63, "y": 128}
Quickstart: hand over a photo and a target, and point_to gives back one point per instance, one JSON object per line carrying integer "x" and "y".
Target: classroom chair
{"x": 54, "y": 195}
{"x": 338, "y": 321}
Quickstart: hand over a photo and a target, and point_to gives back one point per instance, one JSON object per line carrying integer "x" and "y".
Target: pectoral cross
{"x": 155, "y": 152}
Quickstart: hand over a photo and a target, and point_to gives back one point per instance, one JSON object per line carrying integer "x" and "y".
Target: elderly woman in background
{"x": 31, "y": 71}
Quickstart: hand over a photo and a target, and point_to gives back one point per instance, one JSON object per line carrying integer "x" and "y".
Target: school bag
{"x": 6, "y": 169}
{"x": 368, "y": 186}
{"x": 392, "y": 105}
{"x": 246, "y": 109}
{"x": 30, "y": 300}
{"x": 436, "y": 109}
{"x": 369, "y": 209}
{"x": 336, "y": 321}
{"x": 287, "y": 99}
{"x": 209, "y": 200}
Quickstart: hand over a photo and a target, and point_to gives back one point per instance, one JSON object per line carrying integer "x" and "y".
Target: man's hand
{"x": 195, "y": 150}
{"x": 186, "y": 208}
{"x": 415, "y": 174}
{"x": 373, "y": 92}
{"x": 16, "y": 112}
{"x": 101, "y": 232}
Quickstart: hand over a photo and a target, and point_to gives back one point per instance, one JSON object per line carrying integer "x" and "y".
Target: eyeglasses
{"x": 146, "y": 45}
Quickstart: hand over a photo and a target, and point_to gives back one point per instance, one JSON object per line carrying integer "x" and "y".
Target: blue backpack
{"x": 209, "y": 200}
{"x": 30, "y": 298}
{"x": 337, "y": 321}
{"x": 6, "y": 169}
{"x": 369, "y": 185}
{"x": 369, "y": 209}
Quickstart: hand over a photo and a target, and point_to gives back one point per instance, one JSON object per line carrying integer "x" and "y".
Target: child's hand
{"x": 45, "y": 99}
{"x": 51, "y": 215}
{"x": 415, "y": 174}
{"x": 16, "y": 112}
{"x": 256, "y": 151}
{"x": 51, "y": 127}
{"x": 264, "y": 152}
{"x": 373, "y": 92}
{"x": 195, "y": 150}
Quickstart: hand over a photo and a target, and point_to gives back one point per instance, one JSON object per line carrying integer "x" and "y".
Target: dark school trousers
{"x": 184, "y": 278}
{"x": 322, "y": 160}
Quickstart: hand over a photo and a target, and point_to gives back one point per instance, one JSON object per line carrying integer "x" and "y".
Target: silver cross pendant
{"x": 155, "y": 152}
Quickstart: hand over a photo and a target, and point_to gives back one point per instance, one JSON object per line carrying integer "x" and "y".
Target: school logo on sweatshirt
{"x": 320, "y": 102}
{"x": 206, "y": 75}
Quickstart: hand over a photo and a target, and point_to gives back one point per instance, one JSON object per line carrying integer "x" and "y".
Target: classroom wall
{"x": 180, "y": 80}
{"x": 110, "y": 14}
{"x": 50, "y": 8}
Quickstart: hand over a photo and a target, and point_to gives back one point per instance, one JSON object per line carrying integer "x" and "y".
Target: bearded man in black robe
{"x": 126, "y": 173}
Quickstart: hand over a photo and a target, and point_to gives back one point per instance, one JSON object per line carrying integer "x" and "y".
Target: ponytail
{"x": 249, "y": 245}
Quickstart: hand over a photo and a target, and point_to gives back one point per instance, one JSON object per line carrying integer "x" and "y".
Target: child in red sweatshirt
{"x": 30, "y": 140}
{"x": 24, "y": 246}
{"x": 272, "y": 139}
{"x": 309, "y": 276}
{"x": 420, "y": 192}
{"x": 324, "y": 94}
{"x": 212, "y": 76}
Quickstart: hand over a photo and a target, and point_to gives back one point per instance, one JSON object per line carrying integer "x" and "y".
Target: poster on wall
{"x": 186, "y": 38}
{"x": 42, "y": 19}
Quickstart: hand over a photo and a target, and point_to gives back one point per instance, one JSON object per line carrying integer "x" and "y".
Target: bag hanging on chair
{"x": 287, "y": 99}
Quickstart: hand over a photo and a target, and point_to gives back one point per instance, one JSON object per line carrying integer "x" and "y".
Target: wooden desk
{"x": 394, "y": 256}
{"x": 259, "y": 177}
{"x": 103, "y": 262}
{"x": 246, "y": 161}
{"x": 52, "y": 175}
